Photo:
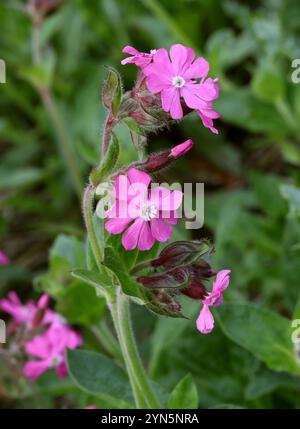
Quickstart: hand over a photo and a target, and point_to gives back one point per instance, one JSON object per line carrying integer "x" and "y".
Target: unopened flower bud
{"x": 181, "y": 253}
{"x": 160, "y": 160}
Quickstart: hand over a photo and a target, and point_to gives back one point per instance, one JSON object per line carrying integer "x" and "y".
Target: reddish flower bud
{"x": 181, "y": 253}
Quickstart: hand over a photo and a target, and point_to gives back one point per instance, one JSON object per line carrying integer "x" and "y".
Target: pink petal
{"x": 117, "y": 225}
{"x": 207, "y": 122}
{"x": 161, "y": 55}
{"x": 167, "y": 95}
{"x": 192, "y": 98}
{"x": 138, "y": 176}
{"x": 130, "y": 50}
{"x": 178, "y": 54}
{"x": 14, "y": 298}
{"x": 160, "y": 230}
{"x": 222, "y": 281}
{"x": 199, "y": 68}
{"x": 39, "y": 346}
{"x": 189, "y": 58}
{"x": 146, "y": 239}
{"x": 206, "y": 91}
{"x": 121, "y": 187}
{"x": 34, "y": 369}
{"x": 165, "y": 199}
{"x": 169, "y": 217}
{"x": 181, "y": 149}
{"x": 131, "y": 235}
{"x": 205, "y": 321}
{"x": 128, "y": 60}
{"x": 175, "y": 108}
{"x": 155, "y": 83}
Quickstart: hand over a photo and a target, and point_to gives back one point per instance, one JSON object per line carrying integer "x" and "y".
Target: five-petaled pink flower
{"x": 180, "y": 77}
{"x": 50, "y": 348}
{"x": 140, "y": 59}
{"x": 146, "y": 213}
{"x": 205, "y": 321}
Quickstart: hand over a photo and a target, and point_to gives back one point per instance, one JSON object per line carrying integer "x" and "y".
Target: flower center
{"x": 178, "y": 81}
{"x": 149, "y": 212}
{"x": 56, "y": 361}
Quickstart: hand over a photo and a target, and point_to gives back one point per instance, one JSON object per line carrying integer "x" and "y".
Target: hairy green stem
{"x": 139, "y": 380}
{"x": 109, "y": 124}
{"x": 88, "y": 211}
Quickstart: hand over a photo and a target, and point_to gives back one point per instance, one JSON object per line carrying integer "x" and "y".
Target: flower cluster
{"x": 46, "y": 334}
{"x": 180, "y": 79}
{"x": 181, "y": 268}
{"x": 168, "y": 86}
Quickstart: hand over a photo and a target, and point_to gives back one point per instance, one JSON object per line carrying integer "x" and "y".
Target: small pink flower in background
{"x": 21, "y": 314}
{"x": 90, "y": 407}
{"x": 140, "y": 59}
{"x": 4, "y": 259}
{"x": 180, "y": 76}
{"x": 147, "y": 214}
{"x": 181, "y": 149}
{"x": 205, "y": 321}
{"x": 50, "y": 348}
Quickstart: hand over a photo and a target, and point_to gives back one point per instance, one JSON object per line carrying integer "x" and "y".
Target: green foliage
{"x": 184, "y": 395}
{"x": 252, "y": 195}
{"x": 100, "y": 376}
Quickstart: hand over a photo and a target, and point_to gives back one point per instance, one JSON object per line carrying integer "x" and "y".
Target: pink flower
{"x": 181, "y": 149}
{"x": 4, "y": 259}
{"x": 140, "y": 59}
{"x": 179, "y": 76}
{"x": 31, "y": 314}
{"x": 205, "y": 321}
{"x": 22, "y": 314}
{"x": 147, "y": 213}
{"x": 50, "y": 348}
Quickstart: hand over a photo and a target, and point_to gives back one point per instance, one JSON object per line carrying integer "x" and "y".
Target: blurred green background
{"x": 250, "y": 171}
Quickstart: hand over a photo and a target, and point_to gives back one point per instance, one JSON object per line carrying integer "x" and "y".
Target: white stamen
{"x": 56, "y": 361}
{"x": 149, "y": 212}
{"x": 178, "y": 81}
{"x": 153, "y": 51}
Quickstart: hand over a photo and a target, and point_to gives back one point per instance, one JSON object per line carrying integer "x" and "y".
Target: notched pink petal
{"x": 205, "y": 320}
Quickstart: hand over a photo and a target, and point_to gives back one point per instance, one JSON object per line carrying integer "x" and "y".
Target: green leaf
{"x": 292, "y": 194}
{"x": 133, "y": 126}
{"x": 129, "y": 286}
{"x": 96, "y": 374}
{"x": 100, "y": 281}
{"x": 112, "y": 91}
{"x": 268, "y": 84}
{"x": 108, "y": 163}
{"x": 80, "y": 304}
{"x": 264, "y": 333}
{"x": 184, "y": 396}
